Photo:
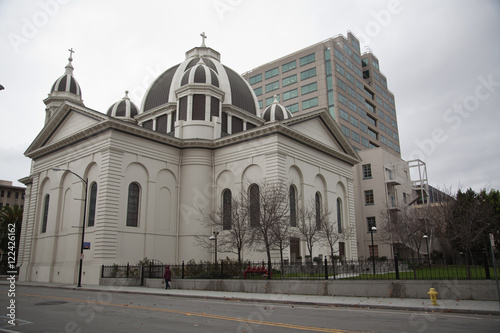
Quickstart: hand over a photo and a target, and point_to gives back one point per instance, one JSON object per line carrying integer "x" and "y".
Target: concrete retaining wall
{"x": 447, "y": 289}
{"x": 130, "y": 282}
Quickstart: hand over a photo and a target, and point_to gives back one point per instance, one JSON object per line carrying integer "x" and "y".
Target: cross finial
{"x": 71, "y": 54}
{"x": 203, "y": 36}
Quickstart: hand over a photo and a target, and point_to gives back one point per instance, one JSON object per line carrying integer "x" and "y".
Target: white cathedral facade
{"x": 151, "y": 171}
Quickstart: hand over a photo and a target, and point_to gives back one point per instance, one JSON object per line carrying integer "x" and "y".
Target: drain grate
{"x": 51, "y": 303}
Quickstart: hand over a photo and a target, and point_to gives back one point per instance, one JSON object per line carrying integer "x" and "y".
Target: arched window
{"x": 339, "y": 214}
{"x": 92, "y": 204}
{"x": 318, "y": 210}
{"x": 254, "y": 205}
{"x": 133, "y": 205}
{"x": 293, "y": 206}
{"x": 45, "y": 213}
{"x": 226, "y": 209}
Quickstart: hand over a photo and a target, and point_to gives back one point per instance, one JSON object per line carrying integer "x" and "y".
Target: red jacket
{"x": 167, "y": 274}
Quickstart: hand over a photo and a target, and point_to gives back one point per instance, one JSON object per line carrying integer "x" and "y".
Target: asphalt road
{"x": 62, "y": 310}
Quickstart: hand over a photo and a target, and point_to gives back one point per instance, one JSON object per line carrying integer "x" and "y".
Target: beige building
{"x": 384, "y": 183}
{"x": 143, "y": 177}
{"x": 11, "y": 195}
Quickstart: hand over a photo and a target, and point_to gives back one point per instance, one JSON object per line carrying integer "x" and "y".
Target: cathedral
{"x": 140, "y": 177}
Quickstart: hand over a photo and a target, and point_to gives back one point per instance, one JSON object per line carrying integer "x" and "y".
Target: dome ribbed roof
{"x": 200, "y": 73}
{"x": 124, "y": 108}
{"x": 276, "y": 112}
{"x": 202, "y": 65}
{"x": 67, "y": 82}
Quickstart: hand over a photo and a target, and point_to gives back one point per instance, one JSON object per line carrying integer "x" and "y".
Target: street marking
{"x": 204, "y": 315}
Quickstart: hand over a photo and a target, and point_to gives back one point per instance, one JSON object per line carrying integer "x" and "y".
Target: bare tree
{"x": 309, "y": 221}
{"x": 268, "y": 206}
{"x": 333, "y": 234}
{"x": 232, "y": 222}
{"x": 282, "y": 230}
{"x": 405, "y": 225}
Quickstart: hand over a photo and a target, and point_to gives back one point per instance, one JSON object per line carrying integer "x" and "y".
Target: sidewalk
{"x": 454, "y": 306}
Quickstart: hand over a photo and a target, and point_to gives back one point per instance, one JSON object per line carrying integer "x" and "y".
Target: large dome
{"x": 201, "y": 67}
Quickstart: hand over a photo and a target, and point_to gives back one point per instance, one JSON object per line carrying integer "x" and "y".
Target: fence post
{"x": 150, "y": 269}
{"x": 326, "y": 268}
{"x": 141, "y": 274}
{"x": 182, "y": 274}
{"x": 396, "y": 266}
{"x": 128, "y": 268}
{"x": 102, "y": 271}
{"x": 486, "y": 265}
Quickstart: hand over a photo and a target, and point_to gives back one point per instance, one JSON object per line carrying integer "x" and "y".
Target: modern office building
{"x": 335, "y": 75}
{"x": 11, "y": 195}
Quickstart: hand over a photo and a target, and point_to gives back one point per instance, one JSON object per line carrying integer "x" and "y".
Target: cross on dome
{"x": 71, "y": 54}
{"x": 203, "y": 36}
{"x": 69, "y": 66}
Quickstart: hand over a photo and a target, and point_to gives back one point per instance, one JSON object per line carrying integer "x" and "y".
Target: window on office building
{"x": 309, "y": 88}
{"x": 271, "y": 73}
{"x": 308, "y": 74}
{"x": 289, "y": 66}
{"x": 289, "y": 80}
{"x": 307, "y": 59}
{"x": 272, "y": 86}
{"x": 255, "y": 79}
{"x": 310, "y": 103}
{"x": 290, "y": 94}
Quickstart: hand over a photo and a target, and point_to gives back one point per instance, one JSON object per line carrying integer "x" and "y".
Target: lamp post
{"x": 372, "y": 229}
{"x": 214, "y": 238}
{"x": 83, "y": 222}
{"x": 426, "y": 237}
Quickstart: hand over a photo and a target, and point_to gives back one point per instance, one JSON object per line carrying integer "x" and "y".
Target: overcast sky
{"x": 441, "y": 59}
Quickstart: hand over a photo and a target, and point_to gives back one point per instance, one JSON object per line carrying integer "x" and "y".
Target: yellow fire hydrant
{"x": 433, "y": 295}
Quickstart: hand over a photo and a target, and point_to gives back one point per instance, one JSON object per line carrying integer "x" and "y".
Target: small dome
{"x": 67, "y": 82}
{"x": 200, "y": 73}
{"x": 276, "y": 112}
{"x": 124, "y": 109}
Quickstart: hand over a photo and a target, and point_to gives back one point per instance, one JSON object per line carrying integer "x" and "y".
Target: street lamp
{"x": 426, "y": 237}
{"x": 214, "y": 238}
{"x": 372, "y": 229}
{"x": 83, "y": 222}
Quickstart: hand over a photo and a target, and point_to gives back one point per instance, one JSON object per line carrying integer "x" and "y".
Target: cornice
{"x": 111, "y": 124}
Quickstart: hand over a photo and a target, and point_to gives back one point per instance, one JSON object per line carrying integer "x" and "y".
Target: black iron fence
{"x": 458, "y": 268}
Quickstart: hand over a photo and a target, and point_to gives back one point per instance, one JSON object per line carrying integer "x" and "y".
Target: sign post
{"x": 492, "y": 245}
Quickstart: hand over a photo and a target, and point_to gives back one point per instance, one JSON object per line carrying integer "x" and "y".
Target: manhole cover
{"x": 51, "y": 303}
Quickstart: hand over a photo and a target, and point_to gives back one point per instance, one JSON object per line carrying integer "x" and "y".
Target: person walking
{"x": 167, "y": 275}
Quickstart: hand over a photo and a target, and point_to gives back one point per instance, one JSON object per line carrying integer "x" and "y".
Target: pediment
{"x": 73, "y": 122}
{"x": 67, "y": 121}
{"x": 316, "y": 129}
